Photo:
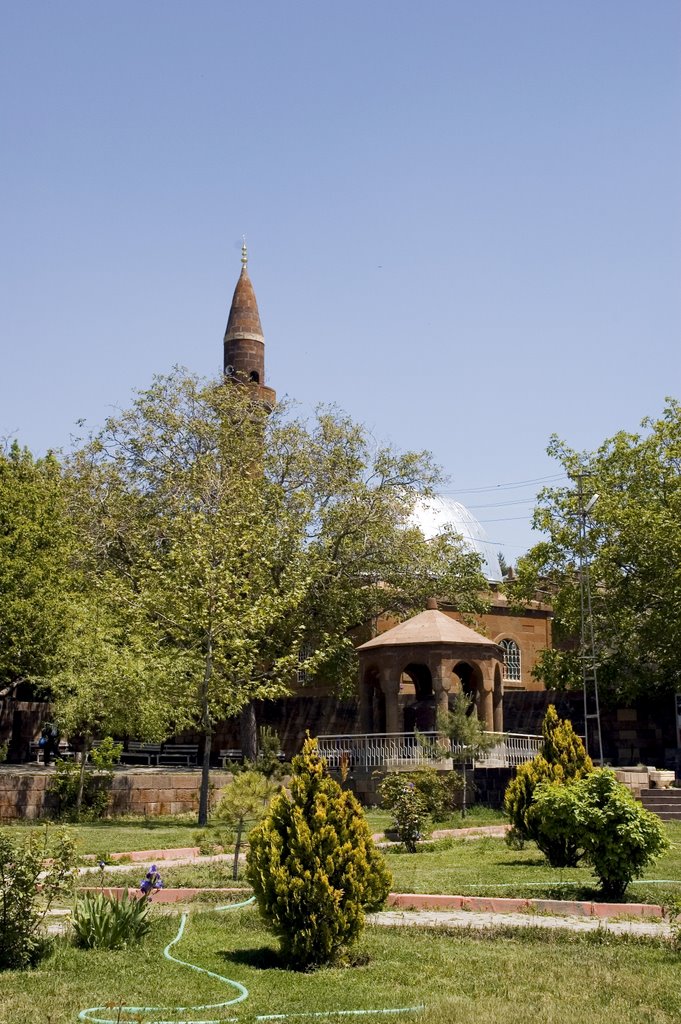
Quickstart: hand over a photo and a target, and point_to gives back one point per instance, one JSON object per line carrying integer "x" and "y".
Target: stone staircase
{"x": 666, "y": 803}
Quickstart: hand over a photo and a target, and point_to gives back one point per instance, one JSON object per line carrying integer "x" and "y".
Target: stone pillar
{"x": 498, "y": 701}
{"x": 365, "y": 704}
{"x": 390, "y": 684}
{"x": 484, "y": 698}
{"x": 442, "y": 682}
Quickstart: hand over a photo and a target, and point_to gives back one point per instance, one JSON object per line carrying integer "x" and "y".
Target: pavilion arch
{"x": 416, "y": 698}
{"x": 372, "y": 701}
{"x": 419, "y": 663}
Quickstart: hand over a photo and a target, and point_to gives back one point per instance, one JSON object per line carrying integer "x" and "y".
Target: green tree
{"x": 599, "y": 816}
{"x": 243, "y": 535}
{"x": 466, "y": 735}
{"x": 35, "y": 549}
{"x": 633, "y": 544}
{"x": 313, "y": 865}
{"x": 561, "y": 760}
{"x": 245, "y": 800}
{"x": 24, "y": 865}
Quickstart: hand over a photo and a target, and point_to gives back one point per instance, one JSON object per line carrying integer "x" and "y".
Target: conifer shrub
{"x": 313, "y": 866}
{"x": 562, "y": 760}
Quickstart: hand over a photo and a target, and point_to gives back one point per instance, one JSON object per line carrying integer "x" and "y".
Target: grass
{"x": 499, "y": 978}
{"x": 484, "y": 866}
{"x": 488, "y": 867}
{"x": 213, "y": 876}
{"x": 120, "y": 835}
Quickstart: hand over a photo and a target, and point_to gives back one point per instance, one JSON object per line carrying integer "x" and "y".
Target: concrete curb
{"x": 507, "y": 905}
{"x": 426, "y": 901}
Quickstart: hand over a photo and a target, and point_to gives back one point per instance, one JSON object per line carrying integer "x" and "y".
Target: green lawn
{"x": 484, "y": 866}
{"x": 488, "y": 867}
{"x": 120, "y": 834}
{"x": 459, "y": 977}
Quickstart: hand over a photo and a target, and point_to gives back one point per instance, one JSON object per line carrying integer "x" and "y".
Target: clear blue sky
{"x": 464, "y": 219}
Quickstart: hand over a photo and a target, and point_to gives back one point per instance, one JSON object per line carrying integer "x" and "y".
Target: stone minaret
{"x": 244, "y": 359}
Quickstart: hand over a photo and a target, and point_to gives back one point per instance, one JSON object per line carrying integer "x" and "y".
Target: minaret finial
{"x": 244, "y": 253}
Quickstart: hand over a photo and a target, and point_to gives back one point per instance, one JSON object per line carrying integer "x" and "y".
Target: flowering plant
{"x": 151, "y": 882}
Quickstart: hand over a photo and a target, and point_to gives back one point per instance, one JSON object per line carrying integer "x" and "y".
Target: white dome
{"x": 433, "y": 515}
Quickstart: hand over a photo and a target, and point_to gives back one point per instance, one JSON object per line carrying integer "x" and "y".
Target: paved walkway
{"x": 477, "y": 920}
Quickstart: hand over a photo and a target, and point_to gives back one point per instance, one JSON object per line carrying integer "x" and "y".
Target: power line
{"x": 499, "y": 504}
{"x": 508, "y": 486}
{"x": 505, "y": 519}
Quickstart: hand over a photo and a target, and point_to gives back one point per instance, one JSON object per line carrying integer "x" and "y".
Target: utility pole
{"x": 587, "y": 646}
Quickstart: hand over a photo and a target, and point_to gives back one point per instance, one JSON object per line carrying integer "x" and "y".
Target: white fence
{"x": 404, "y": 749}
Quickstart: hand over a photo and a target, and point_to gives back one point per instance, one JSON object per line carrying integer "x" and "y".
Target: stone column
{"x": 484, "y": 697}
{"x": 442, "y": 682}
{"x": 390, "y": 684}
{"x": 498, "y": 701}
{"x": 365, "y": 704}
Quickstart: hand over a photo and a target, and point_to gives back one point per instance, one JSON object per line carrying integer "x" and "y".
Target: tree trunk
{"x": 205, "y": 771}
{"x": 249, "y": 733}
{"x": 463, "y": 797}
{"x": 207, "y": 723}
{"x": 81, "y": 777}
{"x": 237, "y": 848}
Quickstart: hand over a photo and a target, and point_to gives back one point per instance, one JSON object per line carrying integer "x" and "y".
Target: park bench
{"x": 177, "y": 753}
{"x": 234, "y": 755}
{"x": 139, "y": 752}
{"x": 38, "y": 752}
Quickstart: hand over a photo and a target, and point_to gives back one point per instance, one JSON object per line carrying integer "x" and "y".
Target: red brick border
{"x": 426, "y": 901}
{"x": 502, "y": 905}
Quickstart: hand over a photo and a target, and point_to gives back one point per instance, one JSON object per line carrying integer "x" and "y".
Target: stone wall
{"x": 146, "y": 792}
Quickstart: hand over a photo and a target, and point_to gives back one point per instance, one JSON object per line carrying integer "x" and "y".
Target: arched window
{"x": 254, "y": 377}
{"x": 302, "y": 674}
{"x": 511, "y": 660}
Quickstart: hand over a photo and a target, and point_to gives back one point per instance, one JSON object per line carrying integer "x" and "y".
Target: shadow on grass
{"x": 262, "y": 958}
{"x": 536, "y": 862}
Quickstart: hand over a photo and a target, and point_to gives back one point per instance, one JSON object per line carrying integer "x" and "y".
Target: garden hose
{"x": 242, "y": 994}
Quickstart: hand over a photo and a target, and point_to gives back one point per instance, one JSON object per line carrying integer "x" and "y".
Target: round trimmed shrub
{"x": 313, "y": 865}
{"x": 599, "y": 814}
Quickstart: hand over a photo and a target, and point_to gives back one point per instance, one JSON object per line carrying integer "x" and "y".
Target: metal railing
{"x": 404, "y": 749}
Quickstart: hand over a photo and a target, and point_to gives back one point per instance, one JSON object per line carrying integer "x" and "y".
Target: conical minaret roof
{"x": 244, "y": 318}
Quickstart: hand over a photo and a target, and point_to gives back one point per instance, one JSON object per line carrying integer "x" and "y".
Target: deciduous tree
{"x": 633, "y": 544}
{"x": 246, "y": 535}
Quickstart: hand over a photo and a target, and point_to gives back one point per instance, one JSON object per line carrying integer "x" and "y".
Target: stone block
{"x": 185, "y": 782}
{"x": 179, "y": 807}
{"x": 627, "y": 715}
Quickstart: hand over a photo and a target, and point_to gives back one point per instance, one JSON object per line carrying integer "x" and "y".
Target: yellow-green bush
{"x": 562, "y": 759}
{"x": 313, "y": 865}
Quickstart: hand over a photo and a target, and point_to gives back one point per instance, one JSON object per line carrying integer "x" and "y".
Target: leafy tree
{"x": 23, "y": 907}
{"x": 313, "y": 865}
{"x": 633, "y": 544}
{"x": 562, "y": 759}
{"x": 35, "y": 546}
{"x": 599, "y": 815}
{"x": 246, "y": 799}
{"x": 400, "y": 793}
{"x": 236, "y": 536}
{"x": 466, "y": 735}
